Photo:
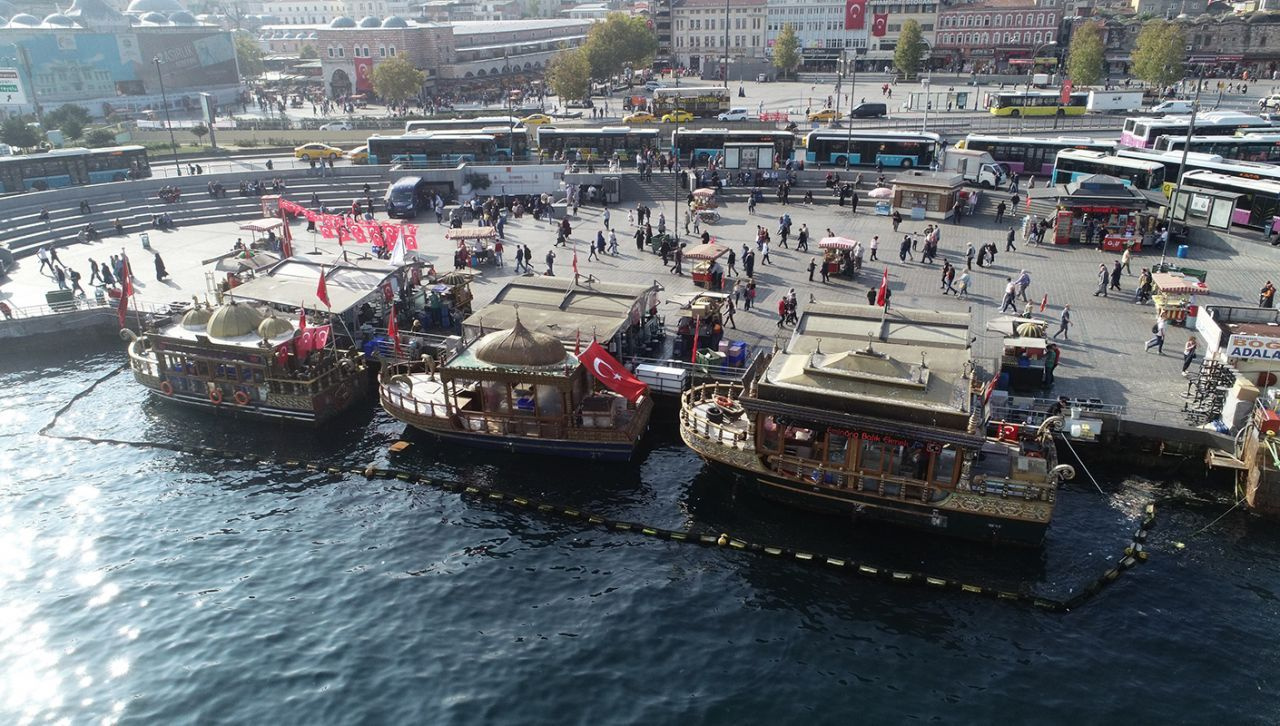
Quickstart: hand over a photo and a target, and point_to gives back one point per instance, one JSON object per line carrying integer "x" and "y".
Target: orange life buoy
{"x": 215, "y": 395}
{"x": 242, "y": 398}
{"x": 166, "y": 388}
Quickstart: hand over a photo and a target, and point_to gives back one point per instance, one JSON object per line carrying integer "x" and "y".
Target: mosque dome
{"x": 58, "y": 20}
{"x": 520, "y": 346}
{"x": 25, "y": 20}
{"x": 154, "y": 18}
{"x": 234, "y": 320}
{"x": 164, "y": 7}
{"x": 395, "y": 21}
{"x": 182, "y": 18}
{"x": 342, "y": 21}
{"x": 273, "y": 327}
{"x": 369, "y": 21}
{"x": 196, "y": 318}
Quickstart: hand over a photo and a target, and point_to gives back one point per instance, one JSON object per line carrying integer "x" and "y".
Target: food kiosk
{"x": 927, "y": 194}
{"x": 1022, "y": 356}
{"x": 704, "y": 259}
{"x": 837, "y": 255}
{"x": 479, "y": 242}
{"x": 1175, "y": 295}
{"x": 1100, "y": 210}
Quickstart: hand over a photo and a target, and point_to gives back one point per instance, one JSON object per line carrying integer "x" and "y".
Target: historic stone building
{"x": 995, "y": 37}
{"x": 698, "y": 31}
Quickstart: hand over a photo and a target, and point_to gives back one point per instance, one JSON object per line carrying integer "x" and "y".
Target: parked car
{"x": 583, "y": 103}
{"x": 1272, "y": 101}
{"x": 734, "y": 114}
{"x": 337, "y": 126}
{"x": 317, "y": 152}
{"x": 652, "y": 85}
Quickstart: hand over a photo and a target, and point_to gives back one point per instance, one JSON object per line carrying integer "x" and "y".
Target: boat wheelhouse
{"x": 237, "y": 358}
{"x": 879, "y": 414}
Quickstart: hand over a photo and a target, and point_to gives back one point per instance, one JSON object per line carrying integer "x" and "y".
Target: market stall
{"x": 266, "y": 227}
{"x": 883, "y": 199}
{"x": 927, "y": 194}
{"x": 1175, "y": 295}
{"x": 837, "y": 256}
{"x": 1023, "y": 352}
{"x": 707, "y": 271}
{"x": 1101, "y": 210}
{"x": 478, "y": 242}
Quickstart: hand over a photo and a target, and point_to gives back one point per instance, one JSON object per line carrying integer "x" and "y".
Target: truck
{"x": 1114, "y": 101}
{"x": 977, "y": 167}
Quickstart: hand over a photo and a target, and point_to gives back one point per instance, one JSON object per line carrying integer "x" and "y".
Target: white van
{"x": 734, "y": 114}
{"x": 1172, "y": 107}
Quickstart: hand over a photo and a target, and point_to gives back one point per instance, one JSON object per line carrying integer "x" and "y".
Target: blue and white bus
{"x": 1072, "y": 164}
{"x": 867, "y": 148}
{"x": 72, "y": 167}
{"x": 435, "y": 149}
{"x": 579, "y": 143}
{"x": 699, "y": 145}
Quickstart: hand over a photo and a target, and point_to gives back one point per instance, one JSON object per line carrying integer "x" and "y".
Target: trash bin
{"x": 1182, "y": 251}
{"x": 146, "y": 240}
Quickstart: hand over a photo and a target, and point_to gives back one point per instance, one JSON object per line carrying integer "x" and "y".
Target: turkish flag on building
{"x": 880, "y": 24}
{"x": 855, "y": 14}
{"x": 364, "y": 74}
{"x": 611, "y": 373}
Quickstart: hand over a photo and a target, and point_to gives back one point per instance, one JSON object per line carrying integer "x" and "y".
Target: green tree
{"x": 249, "y": 55}
{"x": 1159, "y": 52}
{"x": 395, "y": 79}
{"x": 71, "y": 128}
{"x": 618, "y": 40}
{"x": 308, "y": 52}
{"x": 99, "y": 137}
{"x": 910, "y": 50}
{"x": 569, "y": 75}
{"x": 200, "y": 131}
{"x": 1085, "y": 56}
{"x": 786, "y": 50}
{"x": 15, "y": 132}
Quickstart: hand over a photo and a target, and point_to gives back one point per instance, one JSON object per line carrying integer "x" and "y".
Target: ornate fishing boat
{"x": 237, "y": 359}
{"x": 880, "y": 415}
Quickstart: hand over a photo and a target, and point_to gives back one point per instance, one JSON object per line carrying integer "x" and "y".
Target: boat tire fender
{"x": 166, "y": 388}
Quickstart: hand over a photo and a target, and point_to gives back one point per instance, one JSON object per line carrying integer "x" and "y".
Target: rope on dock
{"x": 483, "y": 495}
{"x": 1067, "y": 440}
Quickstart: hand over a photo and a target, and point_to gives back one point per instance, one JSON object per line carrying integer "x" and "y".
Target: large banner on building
{"x": 855, "y": 14}
{"x": 190, "y": 59}
{"x": 880, "y": 24}
{"x": 364, "y": 75}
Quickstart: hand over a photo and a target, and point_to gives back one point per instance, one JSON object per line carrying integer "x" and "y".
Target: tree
{"x": 15, "y": 132}
{"x": 1085, "y": 56}
{"x": 395, "y": 80}
{"x": 100, "y": 137}
{"x": 199, "y": 130}
{"x": 617, "y": 41}
{"x": 71, "y": 128}
{"x": 786, "y": 50}
{"x": 569, "y": 75}
{"x": 308, "y": 52}
{"x": 1157, "y": 55}
{"x": 249, "y": 55}
{"x": 910, "y": 50}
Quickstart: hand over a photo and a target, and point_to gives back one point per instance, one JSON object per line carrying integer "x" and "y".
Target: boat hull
{"x": 254, "y": 410}
{"x": 590, "y": 450}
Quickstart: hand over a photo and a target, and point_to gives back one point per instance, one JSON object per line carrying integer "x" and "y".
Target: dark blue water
{"x": 146, "y": 586}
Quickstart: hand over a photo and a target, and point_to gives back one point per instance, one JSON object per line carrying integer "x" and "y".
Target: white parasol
{"x": 704, "y": 192}
{"x": 880, "y": 193}
{"x": 837, "y": 243}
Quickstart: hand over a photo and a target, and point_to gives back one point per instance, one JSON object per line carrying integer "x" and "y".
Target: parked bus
{"x": 582, "y": 144}
{"x": 1037, "y": 103}
{"x": 1142, "y": 132}
{"x": 1246, "y": 147}
{"x": 434, "y": 149}
{"x": 461, "y": 124}
{"x": 1173, "y": 167}
{"x": 1256, "y": 208}
{"x": 701, "y": 101}
{"x": 72, "y": 167}
{"x": 1072, "y": 164}
{"x": 1029, "y": 154}
{"x": 698, "y": 145}
{"x": 866, "y": 148}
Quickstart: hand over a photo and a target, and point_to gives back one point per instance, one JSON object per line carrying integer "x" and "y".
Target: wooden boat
{"x": 239, "y": 360}
{"x": 880, "y": 415}
{"x": 516, "y": 390}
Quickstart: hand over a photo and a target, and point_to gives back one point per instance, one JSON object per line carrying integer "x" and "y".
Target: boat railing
{"x": 1012, "y": 489}
{"x": 409, "y": 403}
{"x": 884, "y": 484}
{"x": 78, "y": 304}
{"x": 735, "y": 436}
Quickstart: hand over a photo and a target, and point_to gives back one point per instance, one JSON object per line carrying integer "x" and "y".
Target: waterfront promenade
{"x": 1103, "y": 359}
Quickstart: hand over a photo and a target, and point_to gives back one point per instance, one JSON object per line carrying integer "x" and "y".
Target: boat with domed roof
{"x": 241, "y": 359}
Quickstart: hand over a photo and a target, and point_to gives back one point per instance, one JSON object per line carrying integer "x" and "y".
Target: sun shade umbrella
{"x": 704, "y": 192}
{"x": 880, "y": 193}
{"x": 837, "y": 243}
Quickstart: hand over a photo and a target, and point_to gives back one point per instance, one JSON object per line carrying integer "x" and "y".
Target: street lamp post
{"x": 164, "y": 100}
{"x": 726, "y": 45}
{"x": 1031, "y": 70}
{"x": 924, "y": 127}
{"x": 1182, "y": 167}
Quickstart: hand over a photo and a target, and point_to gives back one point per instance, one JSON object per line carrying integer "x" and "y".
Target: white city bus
{"x": 701, "y": 101}
{"x": 1257, "y": 206}
{"x": 1142, "y": 132}
{"x": 1072, "y": 164}
{"x": 1263, "y": 147}
{"x": 1030, "y": 154}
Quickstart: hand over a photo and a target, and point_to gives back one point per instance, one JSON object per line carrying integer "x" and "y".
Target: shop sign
{"x": 1253, "y": 348}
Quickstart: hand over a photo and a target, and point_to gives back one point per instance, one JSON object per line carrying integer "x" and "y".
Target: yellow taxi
{"x": 318, "y": 152}
{"x": 826, "y": 114}
{"x": 639, "y": 117}
{"x": 677, "y": 116}
{"x": 359, "y": 155}
{"x": 536, "y": 119}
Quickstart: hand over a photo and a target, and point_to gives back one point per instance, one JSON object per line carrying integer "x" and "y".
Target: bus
{"x": 1256, "y": 208}
{"x": 701, "y": 101}
{"x": 1037, "y": 103}
{"x": 1142, "y": 132}
{"x": 698, "y": 145}
{"x": 1072, "y": 164}
{"x": 866, "y": 148}
{"x": 1030, "y": 154}
{"x": 583, "y": 144}
{"x": 434, "y": 149}
{"x": 72, "y": 167}
{"x": 1173, "y": 168}
{"x": 1244, "y": 147}
{"x": 461, "y": 124}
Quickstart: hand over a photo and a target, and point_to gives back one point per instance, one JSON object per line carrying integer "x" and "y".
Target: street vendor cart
{"x": 478, "y": 242}
{"x": 706, "y": 269}
{"x": 837, "y": 256}
{"x": 267, "y": 227}
{"x": 1175, "y": 295}
{"x": 1023, "y": 352}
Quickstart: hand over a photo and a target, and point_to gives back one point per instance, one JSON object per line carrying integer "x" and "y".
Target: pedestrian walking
{"x": 75, "y": 283}
{"x": 1008, "y": 241}
{"x": 606, "y": 218}
{"x": 963, "y": 292}
{"x": 968, "y": 257}
{"x": 1188, "y": 354}
{"x": 1267, "y": 295}
{"x": 1000, "y": 212}
{"x": 1157, "y": 337}
{"x": 1103, "y": 278}
{"x": 1115, "y": 275}
{"x": 729, "y": 310}
{"x": 60, "y": 276}
{"x": 813, "y": 266}
{"x": 592, "y": 253}
{"x": 764, "y": 254}
{"x": 749, "y": 297}
{"x": 1010, "y": 290}
{"x": 678, "y": 268}
{"x": 1064, "y": 323}
{"x": 1022, "y": 283}
{"x": 519, "y": 259}
{"x": 551, "y": 261}
{"x": 1052, "y": 354}
{"x": 1124, "y": 261}
{"x": 875, "y": 247}
{"x": 897, "y": 220}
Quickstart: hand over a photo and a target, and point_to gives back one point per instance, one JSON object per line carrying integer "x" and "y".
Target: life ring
{"x": 215, "y": 395}
{"x": 166, "y": 388}
{"x": 242, "y": 398}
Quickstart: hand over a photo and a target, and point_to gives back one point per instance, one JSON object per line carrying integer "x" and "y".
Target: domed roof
{"x": 342, "y": 21}
{"x": 520, "y": 346}
{"x": 273, "y": 327}
{"x": 58, "y": 20}
{"x": 164, "y": 7}
{"x": 182, "y": 18}
{"x": 156, "y": 18}
{"x": 234, "y": 320}
{"x": 196, "y": 318}
{"x": 312, "y": 35}
{"x": 369, "y": 21}
{"x": 94, "y": 12}
{"x": 25, "y": 20}
{"x": 395, "y": 21}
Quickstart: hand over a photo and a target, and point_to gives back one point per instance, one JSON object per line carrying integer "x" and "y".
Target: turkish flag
{"x": 880, "y": 24}
{"x": 322, "y": 290}
{"x": 393, "y": 330}
{"x": 364, "y": 74}
{"x": 882, "y": 295}
{"x": 855, "y": 14}
{"x": 302, "y": 318}
{"x": 409, "y": 233}
{"x": 611, "y": 373}
{"x": 321, "y": 336}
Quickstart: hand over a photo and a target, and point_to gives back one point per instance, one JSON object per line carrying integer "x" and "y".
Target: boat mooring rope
{"x": 1134, "y": 553}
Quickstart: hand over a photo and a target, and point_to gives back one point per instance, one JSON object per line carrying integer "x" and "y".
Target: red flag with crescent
{"x": 880, "y": 24}
{"x": 611, "y": 373}
{"x": 882, "y": 295}
{"x": 322, "y": 290}
{"x": 364, "y": 74}
{"x": 855, "y": 14}
{"x": 409, "y": 233}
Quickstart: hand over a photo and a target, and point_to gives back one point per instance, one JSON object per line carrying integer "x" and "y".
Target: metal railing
{"x": 735, "y": 436}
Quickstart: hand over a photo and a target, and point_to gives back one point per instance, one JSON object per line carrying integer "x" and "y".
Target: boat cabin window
{"x": 550, "y": 402}
{"x": 770, "y": 439}
{"x": 908, "y": 461}
{"x": 495, "y": 397}
{"x": 944, "y": 466}
{"x": 837, "y": 449}
{"x": 798, "y": 441}
{"x": 872, "y": 458}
